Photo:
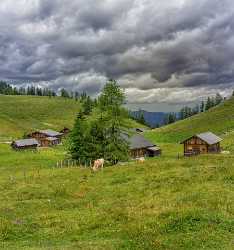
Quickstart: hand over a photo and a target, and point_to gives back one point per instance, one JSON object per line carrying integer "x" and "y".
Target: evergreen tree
{"x": 202, "y": 106}
{"x": 218, "y": 99}
{"x": 141, "y": 119}
{"x": 109, "y": 103}
{"x": 87, "y": 105}
{"x": 77, "y": 138}
{"x": 208, "y": 104}
{"x": 64, "y": 93}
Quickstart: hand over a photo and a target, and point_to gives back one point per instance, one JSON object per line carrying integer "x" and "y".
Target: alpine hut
{"x": 141, "y": 147}
{"x": 25, "y": 144}
{"x": 47, "y": 138}
{"x": 203, "y": 143}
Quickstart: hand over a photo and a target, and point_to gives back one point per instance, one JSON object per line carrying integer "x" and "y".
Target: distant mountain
{"x": 153, "y": 119}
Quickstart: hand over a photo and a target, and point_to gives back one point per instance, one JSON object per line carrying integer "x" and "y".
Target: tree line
{"x": 187, "y": 111}
{"x": 8, "y": 89}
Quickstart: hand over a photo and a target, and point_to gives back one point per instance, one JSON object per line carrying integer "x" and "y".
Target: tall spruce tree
{"x": 110, "y": 104}
{"x": 76, "y": 146}
{"x": 218, "y": 99}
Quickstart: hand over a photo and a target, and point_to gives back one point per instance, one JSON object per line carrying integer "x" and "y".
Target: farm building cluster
{"x": 40, "y": 138}
{"x": 139, "y": 146}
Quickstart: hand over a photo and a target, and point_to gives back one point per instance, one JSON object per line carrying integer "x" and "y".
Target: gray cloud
{"x": 155, "y": 49}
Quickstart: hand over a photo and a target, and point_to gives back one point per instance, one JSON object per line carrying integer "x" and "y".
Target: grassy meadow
{"x": 168, "y": 202}
{"x": 23, "y": 114}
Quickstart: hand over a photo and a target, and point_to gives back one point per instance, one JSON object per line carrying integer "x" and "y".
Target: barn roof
{"x": 137, "y": 141}
{"x": 26, "y": 142}
{"x": 52, "y": 138}
{"x": 139, "y": 129}
{"x": 50, "y": 133}
{"x": 207, "y": 137}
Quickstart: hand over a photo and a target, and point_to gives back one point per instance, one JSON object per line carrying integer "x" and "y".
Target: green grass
{"x": 218, "y": 120}
{"x": 166, "y": 203}
{"x": 23, "y": 114}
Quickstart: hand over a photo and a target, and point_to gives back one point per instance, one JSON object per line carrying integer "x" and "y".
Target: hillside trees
{"x": 100, "y": 127}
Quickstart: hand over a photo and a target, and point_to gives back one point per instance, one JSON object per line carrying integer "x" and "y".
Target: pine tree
{"x": 208, "y": 104}
{"x": 64, "y": 93}
{"x": 87, "y": 106}
{"x": 202, "y": 106}
{"x": 109, "y": 103}
{"x": 77, "y": 138}
{"x": 218, "y": 99}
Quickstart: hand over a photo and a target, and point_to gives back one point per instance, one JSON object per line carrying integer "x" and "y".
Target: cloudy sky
{"x": 159, "y": 51}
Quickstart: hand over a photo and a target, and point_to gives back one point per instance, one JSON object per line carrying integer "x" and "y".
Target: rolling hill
{"x": 22, "y": 114}
{"x": 166, "y": 203}
{"x": 219, "y": 120}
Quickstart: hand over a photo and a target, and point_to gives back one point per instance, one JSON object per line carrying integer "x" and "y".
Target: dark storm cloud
{"x": 150, "y": 47}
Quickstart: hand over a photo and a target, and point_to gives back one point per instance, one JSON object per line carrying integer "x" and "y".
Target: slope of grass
{"x": 22, "y": 114}
{"x": 218, "y": 120}
{"x": 166, "y": 203}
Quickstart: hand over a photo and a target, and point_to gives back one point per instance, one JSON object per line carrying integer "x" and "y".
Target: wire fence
{"x": 70, "y": 163}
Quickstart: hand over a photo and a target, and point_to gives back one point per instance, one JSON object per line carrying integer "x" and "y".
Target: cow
{"x": 98, "y": 164}
{"x": 141, "y": 160}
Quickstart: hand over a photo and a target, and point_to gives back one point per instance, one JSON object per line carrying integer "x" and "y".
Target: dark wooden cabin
{"x": 47, "y": 138}
{"x": 25, "y": 144}
{"x": 65, "y": 131}
{"x": 204, "y": 143}
{"x": 140, "y": 130}
{"x": 141, "y": 147}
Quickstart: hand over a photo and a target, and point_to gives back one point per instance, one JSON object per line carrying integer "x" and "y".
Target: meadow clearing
{"x": 165, "y": 203}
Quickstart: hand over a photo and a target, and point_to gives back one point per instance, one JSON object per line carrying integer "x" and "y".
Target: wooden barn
{"x": 140, "y": 130}
{"x": 47, "y": 138}
{"x": 65, "y": 131}
{"x": 25, "y": 144}
{"x": 141, "y": 147}
{"x": 202, "y": 144}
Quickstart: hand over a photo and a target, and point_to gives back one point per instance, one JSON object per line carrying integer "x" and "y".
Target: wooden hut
{"x": 140, "y": 130}
{"x": 65, "y": 131}
{"x": 202, "y": 144}
{"x": 141, "y": 147}
{"x": 25, "y": 144}
{"x": 47, "y": 138}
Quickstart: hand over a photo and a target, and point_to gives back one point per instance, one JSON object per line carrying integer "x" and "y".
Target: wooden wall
{"x": 198, "y": 146}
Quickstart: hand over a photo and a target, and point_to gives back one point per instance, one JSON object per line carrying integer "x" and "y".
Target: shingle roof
{"x": 50, "y": 133}
{"x": 139, "y": 129}
{"x": 26, "y": 142}
{"x": 51, "y": 138}
{"x": 137, "y": 141}
{"x": 209, "y": 138}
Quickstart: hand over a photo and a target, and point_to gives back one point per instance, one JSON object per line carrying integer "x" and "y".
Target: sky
{"x": 160, "y": 52}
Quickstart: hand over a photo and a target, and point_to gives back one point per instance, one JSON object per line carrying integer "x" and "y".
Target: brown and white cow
{"x": 141, "y": 160}
{"x": 98, "y": 164}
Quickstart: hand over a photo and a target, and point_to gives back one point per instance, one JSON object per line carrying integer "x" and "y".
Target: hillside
{"x": 219, "y": 120}
{"x": 22, "y": 114}
{"x": 166, "y": 203}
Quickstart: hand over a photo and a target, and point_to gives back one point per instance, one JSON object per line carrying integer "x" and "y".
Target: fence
{"x": 70, "y": 163}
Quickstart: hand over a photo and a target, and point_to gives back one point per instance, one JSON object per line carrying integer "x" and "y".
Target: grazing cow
{"x": 98, "y": 164}
{"x": 141, "y": 160}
